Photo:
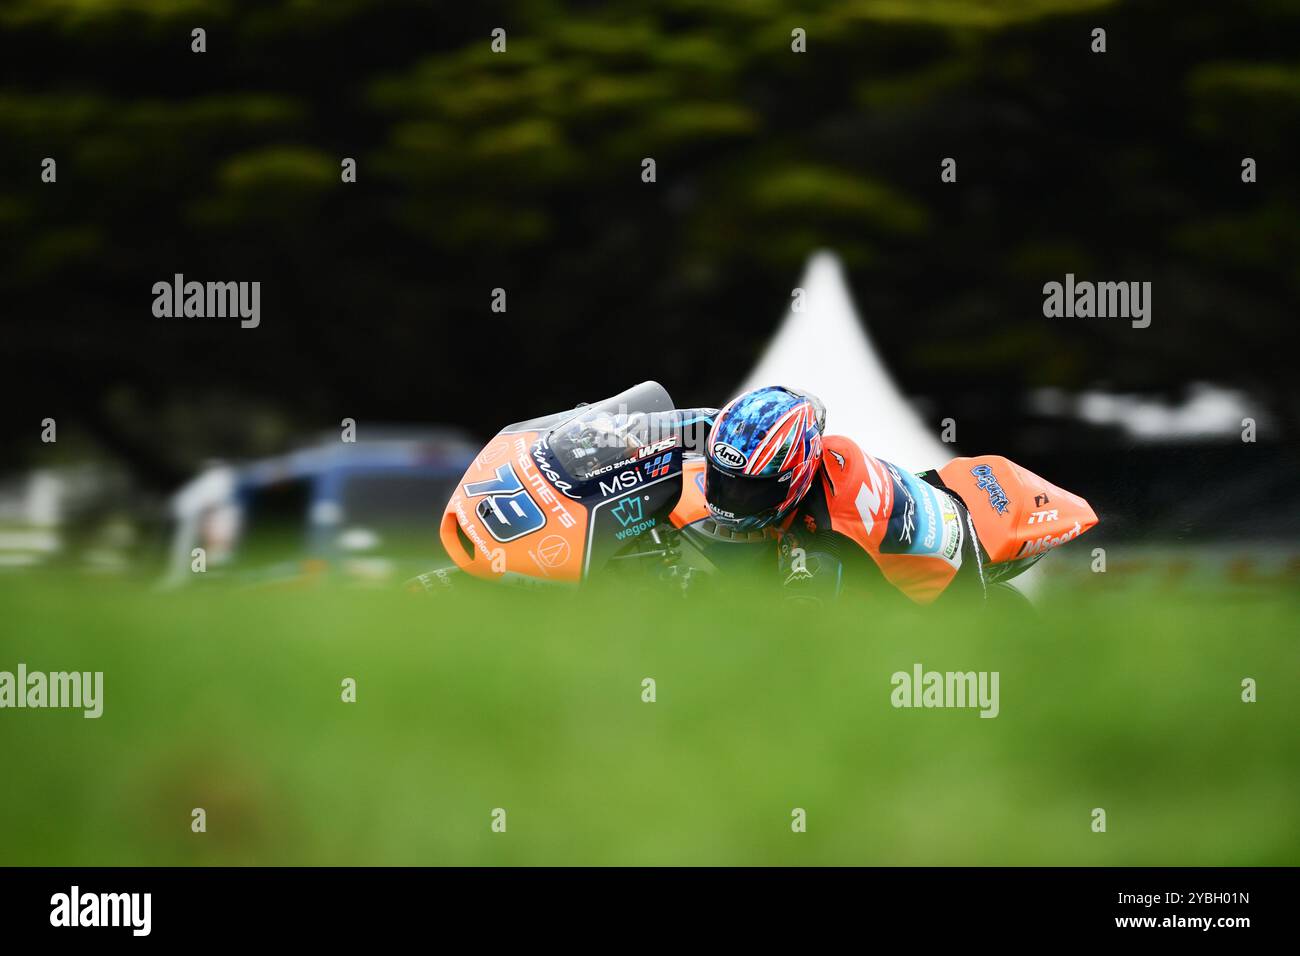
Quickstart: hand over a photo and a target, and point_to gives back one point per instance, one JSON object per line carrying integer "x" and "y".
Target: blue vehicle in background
{"x": 363, "y": 512}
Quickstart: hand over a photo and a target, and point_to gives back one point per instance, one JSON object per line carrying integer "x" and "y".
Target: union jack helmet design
{"x": 761, "y": 456}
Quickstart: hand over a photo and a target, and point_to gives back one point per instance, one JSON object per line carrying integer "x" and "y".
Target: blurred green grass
{"x": 230, "y": 700}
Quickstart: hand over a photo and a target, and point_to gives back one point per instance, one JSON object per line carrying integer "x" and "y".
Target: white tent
{"x": 824, "y": 349}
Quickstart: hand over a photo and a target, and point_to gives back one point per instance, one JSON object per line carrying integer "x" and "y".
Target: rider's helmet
{"x": 761, "y": 456}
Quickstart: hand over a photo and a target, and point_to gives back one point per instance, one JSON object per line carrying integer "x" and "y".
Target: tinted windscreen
{"x": 602, "y": 435}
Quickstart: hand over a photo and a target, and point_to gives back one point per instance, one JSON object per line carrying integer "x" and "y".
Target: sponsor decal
{"x": 903, "y": 519}
{"x": 1047, "y": 541}
{"x": 908, "y": 524}
{"x": 987, "y": 482}
{"x": 629, "y": 513}
{"x": 874, "y": 500}
{"x": 924, "y": 520}
{"x": 1040, "y": 500}
{"x": 470, "y": 528}
{"x": 662, "y": 445}
{"x": 838, "y": 457}
{"x": 623, "y": 481}
{"x": 1038, "y": 517}
{"x": 729, "y": 456}
{"x": 931, "y": 529}
{"x": 952, "y": 533}
{"x": 659, "y": 467}
{"x": 541, "y": 488}
{"x": 639, "y": 528}
{"x": 615, "y": 466}
{"x": 541, "y": 455}
{"x": 552, "y": 552}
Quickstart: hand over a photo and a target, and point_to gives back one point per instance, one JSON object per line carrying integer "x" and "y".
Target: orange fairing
{"x": 1016, "y": 513}
{"x": 691, "y": 507}
{"x": 508, "y": 518}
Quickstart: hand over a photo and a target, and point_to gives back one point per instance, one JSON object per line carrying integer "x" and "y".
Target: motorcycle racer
{"x": 634, "y": 488}
{"x": 846, "y": 520}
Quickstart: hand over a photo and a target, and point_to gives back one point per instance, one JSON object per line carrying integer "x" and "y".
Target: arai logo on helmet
{"x": 729, "y": 455}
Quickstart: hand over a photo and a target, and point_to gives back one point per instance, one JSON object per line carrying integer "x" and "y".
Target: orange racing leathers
{"x": 866, "y": 520}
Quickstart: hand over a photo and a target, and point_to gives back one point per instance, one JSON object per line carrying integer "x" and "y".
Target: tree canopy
{"x": 521, "y": 170}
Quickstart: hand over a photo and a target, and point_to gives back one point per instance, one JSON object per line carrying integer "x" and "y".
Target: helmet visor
{"x": 743, "y": 502}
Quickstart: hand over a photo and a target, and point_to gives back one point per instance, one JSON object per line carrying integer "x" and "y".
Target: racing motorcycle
{"x": 616, "y": 488}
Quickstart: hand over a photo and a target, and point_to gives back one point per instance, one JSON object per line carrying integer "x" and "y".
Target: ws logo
{"x": 659, "y": 467}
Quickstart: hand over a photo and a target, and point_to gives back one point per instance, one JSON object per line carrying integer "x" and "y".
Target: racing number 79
{"x": 508, "y": 512}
